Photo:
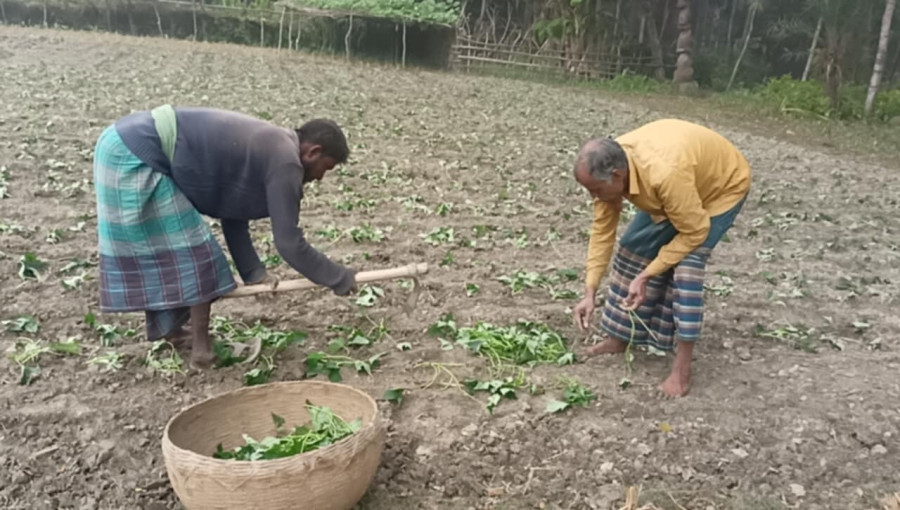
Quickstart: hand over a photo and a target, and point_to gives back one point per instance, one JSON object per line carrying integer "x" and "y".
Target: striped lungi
{"x": 673, "y": 307}
{"x": 157, "y": 255}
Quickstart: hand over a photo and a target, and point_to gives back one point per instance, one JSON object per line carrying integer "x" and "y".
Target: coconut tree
{"x": 684, "y": 47}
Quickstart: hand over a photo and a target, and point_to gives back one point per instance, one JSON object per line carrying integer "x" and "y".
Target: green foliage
{"x": 796, "y": 96}
{"x": 574, "y": 394}
{"x": 808, "y": 98}
{"x": 394, "y": 395}
{"x": 355, "y": 337}
{"x": 108, "y": 333}
{"x": 368, "y": 295}
{"x": 4, "y": 182}
{"x": 23, "y": 324}
{"x": 163, "y": 358}
{"x": 326, "y": 428}
{"x": 229, "y": 334}
{"x": 428, "y": 11}
{"x": 521, "y": 280}
{"x": 497, "y": 389}
{"x": 111, "y": 361}
{"x": 320, "y": 363}
{"x": 26, "y": 353}
{"x": 31, "y": 267}
{"x": 366, "y": 233}
{"x": 440, "y": 235}
{"x": 549, "y": 29}
{"x": 522, "y": 343}
{"x": 800, "y": 338}
{"x": 627, "y": 81}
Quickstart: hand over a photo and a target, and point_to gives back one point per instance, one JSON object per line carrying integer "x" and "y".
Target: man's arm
{"x": 603, "y": 240}
{"x": 237, "y": 237}
{"x": 684, "y": 209}
{"x": 283, "y": 195}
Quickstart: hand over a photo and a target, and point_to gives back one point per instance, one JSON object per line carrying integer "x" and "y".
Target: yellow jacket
{"x": 677, "y": 171}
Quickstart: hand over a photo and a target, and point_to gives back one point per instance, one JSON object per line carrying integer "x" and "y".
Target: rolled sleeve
{"x": 603, "y": 240}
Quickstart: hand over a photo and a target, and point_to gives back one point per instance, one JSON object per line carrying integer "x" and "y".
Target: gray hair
{"x": 602, "y": 156}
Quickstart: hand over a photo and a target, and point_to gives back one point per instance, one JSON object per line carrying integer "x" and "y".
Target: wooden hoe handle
{"x": 410, "y": 271}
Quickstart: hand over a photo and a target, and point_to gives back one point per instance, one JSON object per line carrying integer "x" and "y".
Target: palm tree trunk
{"x": 656, "y": 50}
{"x": 812, "y": 49}
{"x": 879, "y": 57}
{"x": 731, "y": 27}
{"x": 684, "y": 48}
{"x": 737, "y": 63}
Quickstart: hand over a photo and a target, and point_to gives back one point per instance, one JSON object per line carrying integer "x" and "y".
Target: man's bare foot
{"x": 608, "y": 346}
{"x": 202, "y": 354}
{"x": 677, "y": 384}
{"x": 202, "y": 360}
{"x": 679, "y": 381}
{"x": 180, "y": 339}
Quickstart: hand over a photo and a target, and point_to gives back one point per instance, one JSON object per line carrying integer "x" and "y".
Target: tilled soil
{"x": 808, "y": 420}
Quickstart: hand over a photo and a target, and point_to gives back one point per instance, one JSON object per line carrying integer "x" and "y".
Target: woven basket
{"x": 331, "y": 478}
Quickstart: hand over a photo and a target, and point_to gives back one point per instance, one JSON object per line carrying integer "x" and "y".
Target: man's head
{"x": 322, "y": 146}
{"x": 602, "y": 168}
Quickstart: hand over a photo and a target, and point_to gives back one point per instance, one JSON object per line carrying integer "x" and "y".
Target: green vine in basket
{"x": 325, "y": 429}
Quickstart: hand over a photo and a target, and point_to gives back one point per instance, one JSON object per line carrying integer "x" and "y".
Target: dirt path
{"x": 808, "y": 421}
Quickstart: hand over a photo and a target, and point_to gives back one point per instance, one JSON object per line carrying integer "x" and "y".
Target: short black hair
{"x": 328, "y": 134}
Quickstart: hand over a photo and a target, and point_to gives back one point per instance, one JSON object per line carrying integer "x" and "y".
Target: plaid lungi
{"x": 157, "y": 255}
{"x": 673, "y": 307}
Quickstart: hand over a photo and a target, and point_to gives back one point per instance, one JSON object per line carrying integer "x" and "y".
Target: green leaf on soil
{"x": 70, "y": 346}
{"x": 23, "y": 324}
{"x": 29, "y": 374}
{"x": 111, "y": 361}
{"x": 368, "y": 295}
{"x": 394, "y": 395}
{"x": 256, "y": 376}
{"x": 522, "y": 343}
{"x": 31, "y": 267}
{"x": 556, "y": 406}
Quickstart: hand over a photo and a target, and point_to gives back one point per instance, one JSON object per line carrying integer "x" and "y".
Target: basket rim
{"x": 312, "y": 456}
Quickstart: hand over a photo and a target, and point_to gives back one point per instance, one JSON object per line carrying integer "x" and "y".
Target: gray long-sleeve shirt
{"x": 238, "y": 168}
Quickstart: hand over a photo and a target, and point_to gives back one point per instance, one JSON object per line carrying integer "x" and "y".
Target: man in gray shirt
{"x": 157, "y": 171}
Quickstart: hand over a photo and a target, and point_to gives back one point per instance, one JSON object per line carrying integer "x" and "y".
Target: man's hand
{"x": 584, "y": 313}
{"x": 268, "y": 279}
{"x": 348, "y": 284}
{"x": 637, "y": 292}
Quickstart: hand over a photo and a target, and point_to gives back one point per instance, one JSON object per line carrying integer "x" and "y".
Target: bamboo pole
{"x": 158, "y": 21}
{"x": 812, "y": 50}
{"x": 262, "y": 31}
{"x": 297, "y": 41}
{"x": 194, "y": 15}
{"x": 410, "y": 271}
{"x": 281, "y": 27}
{"x": 347, "y": 37}
{"x": 403, "y": 64}
{"x": 2, "y": 13}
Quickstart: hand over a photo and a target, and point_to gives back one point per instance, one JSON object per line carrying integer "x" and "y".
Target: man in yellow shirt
{"x": 689, "y": 184}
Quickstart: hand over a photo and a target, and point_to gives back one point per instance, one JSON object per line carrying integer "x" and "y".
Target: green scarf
{"x": 164, "y": 119}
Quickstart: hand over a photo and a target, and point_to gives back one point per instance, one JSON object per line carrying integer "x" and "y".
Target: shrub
{"x": 790, "y": 95}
